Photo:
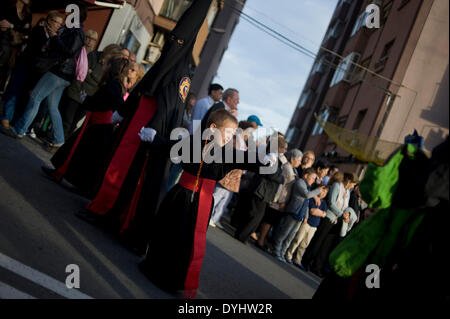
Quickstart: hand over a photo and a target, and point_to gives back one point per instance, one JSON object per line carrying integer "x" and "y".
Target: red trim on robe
{"x": 128, "y": 215}
{"x": 206, "y": 189}
{"x": 123, "y": 158}
{"x": 91, "y": 119}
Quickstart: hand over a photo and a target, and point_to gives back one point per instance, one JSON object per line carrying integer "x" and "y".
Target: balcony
{"x": 336, "y": 94}
{"x": 358, "y": 42}
{"x": 341, "y": 10}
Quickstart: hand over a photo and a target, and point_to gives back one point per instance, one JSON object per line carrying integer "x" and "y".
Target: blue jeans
{"x": 286, "y": 233}
{"x": 50, "y": 86}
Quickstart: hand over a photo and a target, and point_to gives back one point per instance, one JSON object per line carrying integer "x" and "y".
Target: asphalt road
{"x": 40, "y": 236}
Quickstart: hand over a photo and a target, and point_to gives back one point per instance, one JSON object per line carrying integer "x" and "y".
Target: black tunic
{"x": 162, "y": 81}
{"x": 89, "y": 160}
{"x": 172, "y": 231}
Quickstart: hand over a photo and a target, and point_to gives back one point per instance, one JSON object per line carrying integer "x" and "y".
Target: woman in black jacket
{"x": 25, "y": 76}
{"x": 264, "y": 193}
{"x": 64, "y": 48}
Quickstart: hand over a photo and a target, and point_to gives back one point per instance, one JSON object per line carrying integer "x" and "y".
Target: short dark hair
{"x": 321, "y": 164}
{"x": 308, "y": 171}
{"x": 219, "y": 118}
{"x": 214, "y": 87}
{"x": 245, "y": 125}
{"x": 351, "y": 177}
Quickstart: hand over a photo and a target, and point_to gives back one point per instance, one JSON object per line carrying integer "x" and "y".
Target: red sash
{"x": 128, "y": 214}
{"x": 122, "y": 159}
{"x": 206, "y": 188}
{"x": 91, "y": 119}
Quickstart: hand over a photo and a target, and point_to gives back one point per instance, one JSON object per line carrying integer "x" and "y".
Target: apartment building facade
{"x": 402, "y": 85}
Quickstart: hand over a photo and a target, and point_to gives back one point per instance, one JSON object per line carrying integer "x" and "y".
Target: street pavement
{"x": 40, "y": 236}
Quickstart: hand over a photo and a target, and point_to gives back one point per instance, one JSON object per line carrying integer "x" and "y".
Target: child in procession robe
{"x": 183, "y": 217}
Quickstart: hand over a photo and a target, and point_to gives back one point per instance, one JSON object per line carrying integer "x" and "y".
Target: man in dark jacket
{"x": 264, "y": 192}
{"x": 63, "y": 49}
{"x": 230, "y": 101}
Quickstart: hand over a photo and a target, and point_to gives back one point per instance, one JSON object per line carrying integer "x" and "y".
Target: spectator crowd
{"x": 96, "y": 111}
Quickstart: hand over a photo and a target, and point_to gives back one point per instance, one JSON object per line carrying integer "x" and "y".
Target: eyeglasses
{"x": 56, "y": 22}
{"x": 91, "y": 38}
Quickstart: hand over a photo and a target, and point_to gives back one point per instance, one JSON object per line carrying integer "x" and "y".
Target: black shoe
{"x": 49, "y": 172}
{"x": 87, "y": 216}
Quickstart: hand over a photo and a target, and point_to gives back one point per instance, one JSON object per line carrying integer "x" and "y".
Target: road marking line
{"x": 8, "y": 292}
{"x": 40, "y": 278}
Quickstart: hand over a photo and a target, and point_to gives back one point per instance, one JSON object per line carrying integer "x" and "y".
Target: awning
{"x": 45, "y": 5}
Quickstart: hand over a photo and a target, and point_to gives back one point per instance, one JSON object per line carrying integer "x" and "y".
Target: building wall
{"x": 214, "y": 48}
{"x": 425, "y": 106}
{"x": 127, "y": 20}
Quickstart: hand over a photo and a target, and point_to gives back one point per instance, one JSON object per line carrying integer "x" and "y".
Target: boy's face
{"x": 321, "y": 173}
{"x": 226, "y": 131}
{"x": 310, "y": 178}
{"x": 323, "y": 193}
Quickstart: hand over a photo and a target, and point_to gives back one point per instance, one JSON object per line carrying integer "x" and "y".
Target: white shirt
{"x": 200, "y": 109}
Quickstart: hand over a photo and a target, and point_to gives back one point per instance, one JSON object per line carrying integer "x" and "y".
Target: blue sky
{"x": 268, "y": 74}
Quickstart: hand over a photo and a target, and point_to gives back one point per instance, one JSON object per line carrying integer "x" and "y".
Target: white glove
{"x": 147, "y": 134}
{"x": 116, "y": 118}
{"x": 270, "y": 158}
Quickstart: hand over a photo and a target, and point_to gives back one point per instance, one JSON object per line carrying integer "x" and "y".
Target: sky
{"x": 268, "y": 74}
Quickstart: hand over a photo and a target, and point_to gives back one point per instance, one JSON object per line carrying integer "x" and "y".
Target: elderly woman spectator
{"x": 70, "y": 106}
{"x": 91, "y": 40}
{"x": 308, "y": 160}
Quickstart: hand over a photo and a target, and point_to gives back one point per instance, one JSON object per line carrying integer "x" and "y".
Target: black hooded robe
{"x": 136, "y": 197}
{"x": 91, "y": 149}
{"x": 170, "y": 254}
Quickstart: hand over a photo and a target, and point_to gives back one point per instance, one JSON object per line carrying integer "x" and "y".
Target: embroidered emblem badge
{"x": 183, "y": 90}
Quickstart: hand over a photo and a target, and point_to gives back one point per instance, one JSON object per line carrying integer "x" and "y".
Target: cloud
{"x": 268, "y": 74}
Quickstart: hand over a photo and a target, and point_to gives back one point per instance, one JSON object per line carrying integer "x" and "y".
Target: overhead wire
{"x": 303, "y": 49}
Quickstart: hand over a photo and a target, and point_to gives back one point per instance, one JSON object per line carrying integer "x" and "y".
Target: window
{"x": 324, "y": 117}
{"x": 334, "y": 31}
{"x": 389, "y": 102}
{"x": 174, "y": 9}
{"x": 290, "y": 134}
{"x": 360, "y": 22}
{"x": 345, "y": 69}
{"x": 384, "y": 56}
{"x": 403, "y": 3}
{"x": 359, "y": 119}
{"x": 212, "y": 13}
{"x": 341, "y": 2}
{"x": 387, "y": 49}
{"x": 360, "y": 72}
{"x": 319, "y": 66}
{"x": 305, "y": 99}
{"x": 385, "y": 12}
{"x": 131, "y": 43}
{"x": 342, "y": 121}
